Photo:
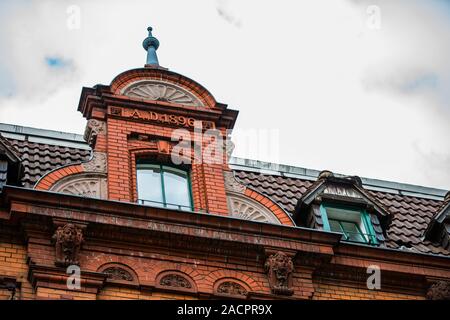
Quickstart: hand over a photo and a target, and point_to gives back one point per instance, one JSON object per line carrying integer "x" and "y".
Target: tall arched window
{"x": 163, "y": 186}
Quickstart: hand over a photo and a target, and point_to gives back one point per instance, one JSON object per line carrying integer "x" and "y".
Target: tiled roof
{"x": 40, "y": 158}
{"x": 43, "y": 150}
{"x": 411, "y": 207}
{"x": 410, "y": 215}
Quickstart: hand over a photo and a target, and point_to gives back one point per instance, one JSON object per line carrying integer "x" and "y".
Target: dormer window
{"x": 352, "y": 222}
{"x": 163, "y": 186}
{"x": 341, "y": 204}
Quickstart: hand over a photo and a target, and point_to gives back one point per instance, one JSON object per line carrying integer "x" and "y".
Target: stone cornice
{"x": 22, "y": 200}
{"x": 100, "y": 99}
{"x": 46, "y": 276}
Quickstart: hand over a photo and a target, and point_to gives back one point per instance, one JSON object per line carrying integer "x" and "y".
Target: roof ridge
{"x": 289, "y": 171}
{"x": 43, "y": 136}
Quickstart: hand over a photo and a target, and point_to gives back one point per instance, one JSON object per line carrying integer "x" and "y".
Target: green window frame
{"x": 164, "y": 170}
{"x": 369, "y": 237}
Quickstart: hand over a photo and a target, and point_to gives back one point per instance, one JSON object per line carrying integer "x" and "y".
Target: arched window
{"x": 163, "y": 186}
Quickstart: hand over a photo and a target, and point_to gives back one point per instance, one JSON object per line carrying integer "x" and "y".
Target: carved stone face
{"x": 282, "y": 267}
{"x": 69, "y": 233}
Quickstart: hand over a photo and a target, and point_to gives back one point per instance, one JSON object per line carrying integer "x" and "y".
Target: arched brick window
{"x": 175, "y": 280}
{"x": 119, "y": 273}
{"x": 231, "y": 288}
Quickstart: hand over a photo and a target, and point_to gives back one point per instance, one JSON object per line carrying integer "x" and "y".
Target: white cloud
{"x": 334, "y": 88}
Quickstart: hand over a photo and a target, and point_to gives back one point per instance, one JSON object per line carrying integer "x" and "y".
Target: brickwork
{"x": 282, "y": 216}
{"x": 13, "y": 255}
{"x": 207, "y": 179}
{"x": 111, "y": 292}
{"x": 44, "y": 293}
{"x": 331, "y": 290}
{"x": 51, "y": 178}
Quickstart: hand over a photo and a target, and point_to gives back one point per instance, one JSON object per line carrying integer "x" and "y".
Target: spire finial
{"x": 151, "y": 44}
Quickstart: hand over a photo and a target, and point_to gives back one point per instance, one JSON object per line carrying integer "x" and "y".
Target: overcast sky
{"x": 356, "y": 87}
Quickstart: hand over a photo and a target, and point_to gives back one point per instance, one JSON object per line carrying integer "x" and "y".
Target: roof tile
{"x": 410, "y": 215}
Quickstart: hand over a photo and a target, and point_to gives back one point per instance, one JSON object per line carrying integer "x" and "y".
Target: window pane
{"x": 177, "y": 188}
{"x": 334, "y": 225}
{"x": 348, "y": 221}
{"x": 352, "y": 231}
{"x": 149, "y": 184}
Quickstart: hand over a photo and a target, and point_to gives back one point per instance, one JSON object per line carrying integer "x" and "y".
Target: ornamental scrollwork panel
{"x": 86, "y": 185}
{"x": 161, "y": 91}
{"x": 244, "y": 208}
{"x": 231, "y": 288}
{"x": 117, "y": 273}
{"x": 175, "y": 281}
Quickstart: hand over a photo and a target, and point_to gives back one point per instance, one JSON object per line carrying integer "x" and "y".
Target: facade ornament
{"x": 279, "y": 268}
{"x": 68, "y": 239}
{"x": 85, "y": 185}
{"x": 231, "y": 288}
{"x": 229, "y": 148}
{"x": 96, "y": 164}
{"x": 439, "y": 291}
{"x": 116, "y": 273}
{"x": 324, "y": 174}
{"x": 151, "y": 44}
{"x": 161, "y": 91}
{"x": 231, "y": 184}
{"x": 175, "y": 281}
{"x": 93, "y": 129}
{"x": 116, "y": 111}
{"x": 242, "y": 207}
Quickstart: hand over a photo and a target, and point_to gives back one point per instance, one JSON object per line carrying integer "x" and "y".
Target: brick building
{"x": 141, "y": 223}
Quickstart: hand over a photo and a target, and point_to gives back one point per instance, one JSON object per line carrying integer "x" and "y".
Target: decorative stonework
{"x": 231, "y": 184}
{"x": 341, "y": 191}
{"x": 229, "y": 148}
{"x": 279, "y": 268}
{"x": 85, "y": 185}
{"x": 231, "y": 288}
{"x": 93, "y": 128}
{"x": 439, "y": 291}
{"x": 175, "y": 281}
{"x": 161, "y": 91}
{"x": 96, "y": 164}
{"x": 244, "y": 208}
{"x": 68, "y": 239}
{"x": 117, "y": 273}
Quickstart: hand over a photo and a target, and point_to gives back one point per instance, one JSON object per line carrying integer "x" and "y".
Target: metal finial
{"x": 151, "y": 44}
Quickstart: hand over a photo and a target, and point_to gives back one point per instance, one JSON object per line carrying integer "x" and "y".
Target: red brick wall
{"x": 207, "y": 179}
{"x": 333, "y": 290}
{"x": 13, "y": 263}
